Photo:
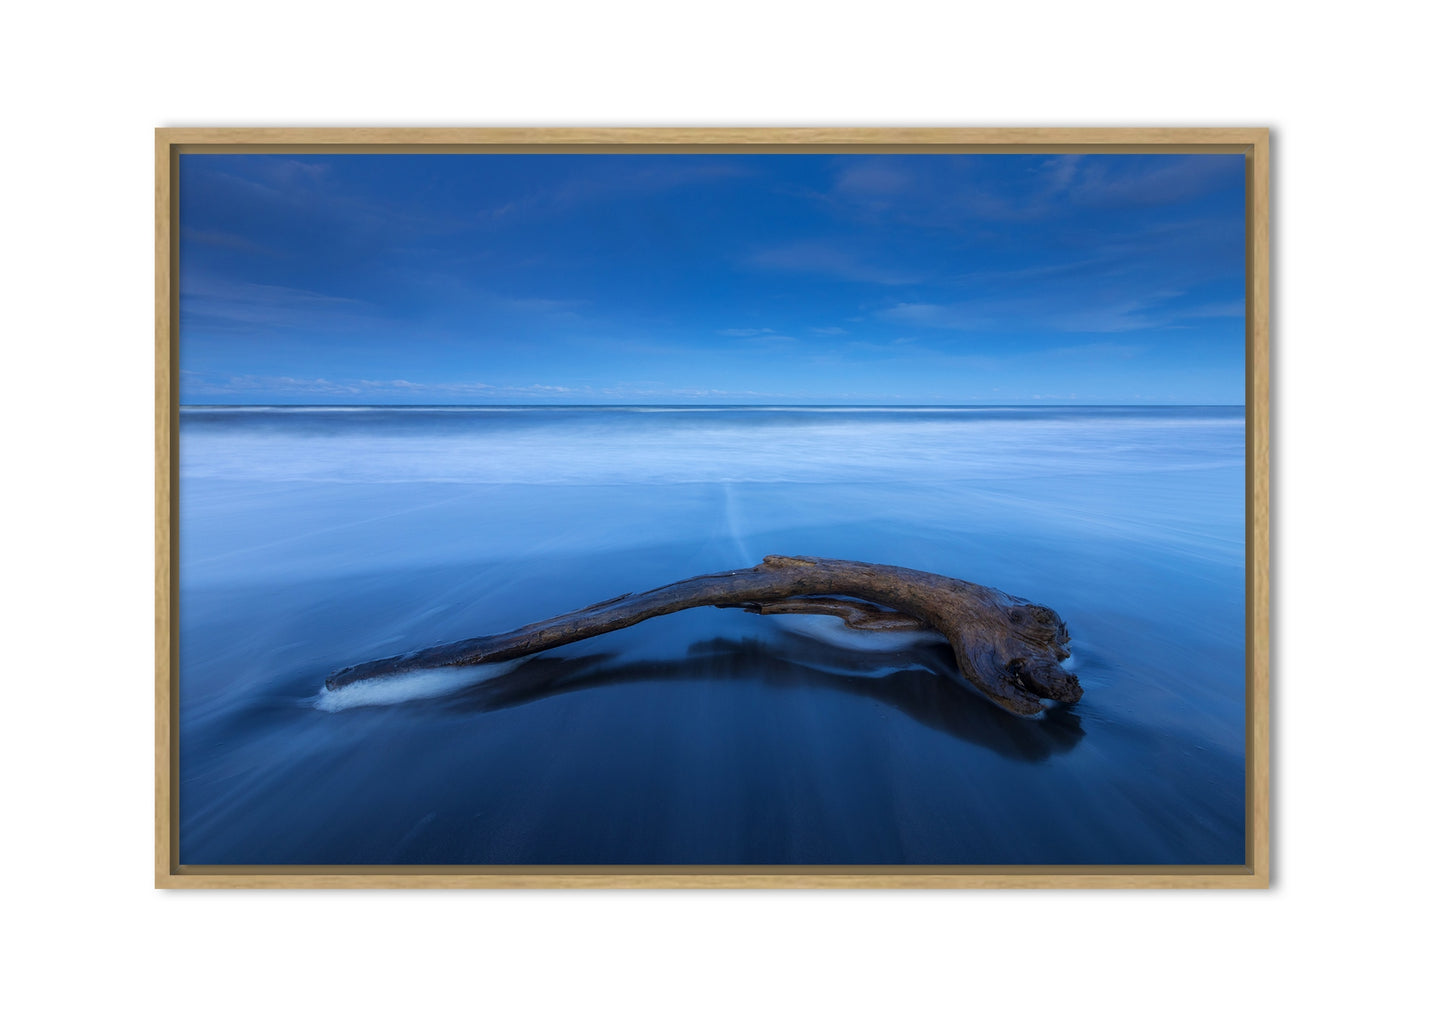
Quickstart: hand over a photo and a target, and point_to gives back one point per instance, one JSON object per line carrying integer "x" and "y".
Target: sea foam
{"x": 412, "y": 685}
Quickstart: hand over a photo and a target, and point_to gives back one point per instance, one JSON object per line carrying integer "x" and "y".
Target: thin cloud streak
{"x": 825, "y": 260}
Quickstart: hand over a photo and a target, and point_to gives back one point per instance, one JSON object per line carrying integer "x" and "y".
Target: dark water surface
{"x": 315, "y": 538}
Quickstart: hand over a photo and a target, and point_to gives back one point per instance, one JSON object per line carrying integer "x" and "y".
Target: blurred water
{"x": 311, "y": 538}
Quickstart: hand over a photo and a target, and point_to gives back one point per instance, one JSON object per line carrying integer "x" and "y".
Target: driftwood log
{"x": 1007, "y": 648}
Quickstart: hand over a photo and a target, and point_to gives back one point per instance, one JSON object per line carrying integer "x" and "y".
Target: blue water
{"x": 313, "y": 538}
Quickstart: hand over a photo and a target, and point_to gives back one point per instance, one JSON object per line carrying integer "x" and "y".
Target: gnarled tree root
{"x": 1007, "y": 648}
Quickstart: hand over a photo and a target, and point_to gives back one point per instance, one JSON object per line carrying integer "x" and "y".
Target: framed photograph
{"x": 619, "y": 507}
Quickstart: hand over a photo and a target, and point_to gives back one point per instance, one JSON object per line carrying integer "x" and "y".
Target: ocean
{"x": 311, "y": 538}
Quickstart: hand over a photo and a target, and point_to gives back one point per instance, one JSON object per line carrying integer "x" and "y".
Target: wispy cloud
{"x": 823, "y": 259}
{"x": 1073, "y": 181}
{"x": 872, "y": 189}
{"x": 204, "y": 388}
{"x": 959, "y": 193}
{"x": 621, "y": 180}
{"x": 1102, "y": 349}
{"x": 235, "y": 305}
{"x": 652, "y": 392}
{"x": 227, "y": 240}
{"x": 1214, "y": 310}
{"x": 757, "y": 335}
{"x": 951, "y": 316}
{"x": 1079, "y": 312}
{"x": 550, "y": 309}
{"x": 999, "y": 279}
{"x": 1158, "y": 310}
{"x": 1143, "y": 313}
{"x": 199, "y": 384}
{"x": 308, "y": 192}
{"x": 873, "y": 178}
{"x": 1158, "y": 182}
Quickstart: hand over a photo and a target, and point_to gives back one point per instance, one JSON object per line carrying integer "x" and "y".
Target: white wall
{"x": 1351, "y": 923}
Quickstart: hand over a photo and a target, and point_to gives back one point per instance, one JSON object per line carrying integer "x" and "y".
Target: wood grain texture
{"x": 976, "y": 878}
{"x": 1251, "y": 141}
{"x": 1257, "y": 568}
{"x": 165, "y": 494}
{"x": 992, "y": 139}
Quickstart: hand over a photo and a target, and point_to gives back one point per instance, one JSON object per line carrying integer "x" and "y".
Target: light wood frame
{"x": 1253, "y": 143}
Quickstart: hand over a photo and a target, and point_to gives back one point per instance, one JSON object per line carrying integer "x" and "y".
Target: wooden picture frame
{"x": 1252, "y": 143}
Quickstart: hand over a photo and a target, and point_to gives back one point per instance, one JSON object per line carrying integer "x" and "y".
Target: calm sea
{"x": 313, "y": 538}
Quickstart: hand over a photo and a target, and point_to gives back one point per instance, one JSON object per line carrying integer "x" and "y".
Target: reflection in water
{"x": 921, "y": 683}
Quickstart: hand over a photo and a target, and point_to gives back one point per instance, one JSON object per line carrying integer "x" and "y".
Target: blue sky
{"x": 712, "y": 279}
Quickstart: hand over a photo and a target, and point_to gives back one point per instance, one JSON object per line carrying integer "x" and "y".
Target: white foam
{"x": 834, "y": 632}
{"x": 402, "y": 688}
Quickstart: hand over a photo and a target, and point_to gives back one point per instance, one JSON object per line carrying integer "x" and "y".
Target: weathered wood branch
{"x": 856, "y": 614}
{"x": 1007, "y": 648}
